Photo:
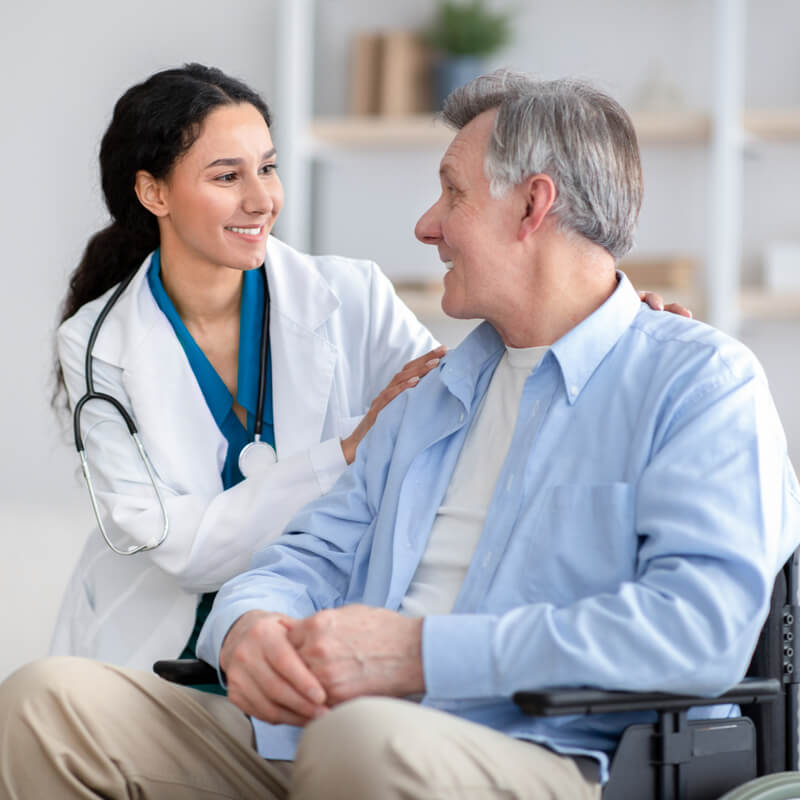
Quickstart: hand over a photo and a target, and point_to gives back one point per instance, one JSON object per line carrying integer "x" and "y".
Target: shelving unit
{"x": 724, "y": 131}
{"x": 424, "y": 130}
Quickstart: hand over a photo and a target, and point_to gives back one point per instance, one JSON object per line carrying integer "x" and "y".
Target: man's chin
{"x": 454, "y": 309}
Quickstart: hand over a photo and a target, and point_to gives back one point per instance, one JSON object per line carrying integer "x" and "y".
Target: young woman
{"x": 188, "y": 171}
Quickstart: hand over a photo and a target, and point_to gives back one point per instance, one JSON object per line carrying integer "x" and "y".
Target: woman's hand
{"x": 407, "y": 377}
{"x": 656, "y": 302}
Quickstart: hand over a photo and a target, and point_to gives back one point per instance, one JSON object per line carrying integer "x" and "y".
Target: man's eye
{"x": 268, "y": 169}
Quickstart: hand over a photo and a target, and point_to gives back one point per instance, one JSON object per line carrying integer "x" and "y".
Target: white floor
{"x": 40, "y": 542}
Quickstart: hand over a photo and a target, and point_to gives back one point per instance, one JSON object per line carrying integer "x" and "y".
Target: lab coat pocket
{"x": 583, "y": 541}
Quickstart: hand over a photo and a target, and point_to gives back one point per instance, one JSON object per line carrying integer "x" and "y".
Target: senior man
{"x": 583, "y": 492}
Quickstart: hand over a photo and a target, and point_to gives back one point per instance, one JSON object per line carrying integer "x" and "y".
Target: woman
{"x": 188, "y": 172}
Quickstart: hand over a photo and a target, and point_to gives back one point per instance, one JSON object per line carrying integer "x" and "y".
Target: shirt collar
{"x": 580, "y": 351}
{"x": 462, "y": 367}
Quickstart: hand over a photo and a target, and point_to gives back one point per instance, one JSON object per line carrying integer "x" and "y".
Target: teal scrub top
{"x": 217, "y": 396}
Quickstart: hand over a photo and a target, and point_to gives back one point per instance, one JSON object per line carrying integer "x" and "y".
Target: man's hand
{"x": 266, "y": 677}
{"x": 358, "y": 650}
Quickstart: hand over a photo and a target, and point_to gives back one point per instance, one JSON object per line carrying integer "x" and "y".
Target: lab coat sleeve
{"x": 707, "y": 556}
{"x": 310, "y": 567}
{"x": 212, "y": 536}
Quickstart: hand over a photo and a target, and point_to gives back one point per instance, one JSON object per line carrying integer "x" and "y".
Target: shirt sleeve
{"x": 716, "y": 515}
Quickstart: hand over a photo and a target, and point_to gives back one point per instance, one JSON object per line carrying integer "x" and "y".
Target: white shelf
{"x": 412, "y": 131}
{"x": 778, "y": 124}
{"x": 768, "y": 304}
{"x": 426, "y": 130}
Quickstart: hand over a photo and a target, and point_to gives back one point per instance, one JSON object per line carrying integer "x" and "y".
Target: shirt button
{"x": 573, "y": 390}
{"x": 461, "y": 417}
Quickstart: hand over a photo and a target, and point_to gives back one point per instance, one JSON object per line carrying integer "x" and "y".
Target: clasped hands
{"x": 290, "y": 671}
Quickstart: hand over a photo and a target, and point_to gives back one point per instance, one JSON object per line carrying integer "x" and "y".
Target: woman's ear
{"x": 151, "y": 194}
{"x": 539, "y": 194}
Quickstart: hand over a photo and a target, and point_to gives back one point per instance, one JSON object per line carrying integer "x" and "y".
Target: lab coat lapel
{"x": 303, "y": 360}
{"x": 177, "y": 429}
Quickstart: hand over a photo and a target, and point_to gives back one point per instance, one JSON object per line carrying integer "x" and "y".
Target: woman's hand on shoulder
{"x": 656, "y": 302}
{"x": 407, "y": 378}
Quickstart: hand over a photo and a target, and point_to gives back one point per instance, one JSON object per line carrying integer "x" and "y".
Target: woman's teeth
{"x": 246, "y": 231}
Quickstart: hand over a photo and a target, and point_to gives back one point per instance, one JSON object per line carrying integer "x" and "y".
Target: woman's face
{"x": 223, "y": 195}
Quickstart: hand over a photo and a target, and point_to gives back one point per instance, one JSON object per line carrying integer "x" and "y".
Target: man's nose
{"x": 428, "y": 228}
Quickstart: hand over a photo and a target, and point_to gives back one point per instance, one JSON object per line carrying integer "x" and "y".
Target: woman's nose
{"x": 258, "y": 198}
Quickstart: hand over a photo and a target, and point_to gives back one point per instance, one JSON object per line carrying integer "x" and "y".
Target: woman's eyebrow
{"x": 235, "y": 162}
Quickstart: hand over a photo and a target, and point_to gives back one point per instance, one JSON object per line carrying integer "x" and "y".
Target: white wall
{"x": 64, "y": 65}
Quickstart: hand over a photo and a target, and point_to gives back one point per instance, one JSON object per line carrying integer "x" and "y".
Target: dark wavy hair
{"x": 153, "y": 125}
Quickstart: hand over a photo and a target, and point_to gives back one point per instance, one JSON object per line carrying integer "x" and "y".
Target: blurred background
{"x": 713, "y": 86}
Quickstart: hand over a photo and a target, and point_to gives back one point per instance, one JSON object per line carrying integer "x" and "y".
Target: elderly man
{"x": 583, "y": 492}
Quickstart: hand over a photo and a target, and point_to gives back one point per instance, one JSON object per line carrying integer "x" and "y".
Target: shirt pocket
{"x": 583, "y": 542}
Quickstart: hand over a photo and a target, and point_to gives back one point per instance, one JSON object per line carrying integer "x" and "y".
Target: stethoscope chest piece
{"x": 255, "y": 458}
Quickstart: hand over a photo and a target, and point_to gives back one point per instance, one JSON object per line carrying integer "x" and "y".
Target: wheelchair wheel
{"x": 780, "y": 786}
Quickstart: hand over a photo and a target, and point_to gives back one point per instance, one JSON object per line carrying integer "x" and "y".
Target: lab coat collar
{"x": 297, "y": 290}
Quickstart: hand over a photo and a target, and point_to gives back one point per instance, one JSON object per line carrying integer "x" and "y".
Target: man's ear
{"x": 539, "y": 194}
{"x": 151, "y": 193}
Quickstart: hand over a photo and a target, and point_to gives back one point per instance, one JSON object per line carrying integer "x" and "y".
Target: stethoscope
{"x": 254, "y": 457}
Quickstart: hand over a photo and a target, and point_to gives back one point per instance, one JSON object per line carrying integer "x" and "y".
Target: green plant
{"x": 468, "y": 28}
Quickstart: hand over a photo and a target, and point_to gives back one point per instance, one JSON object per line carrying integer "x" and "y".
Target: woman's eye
{"x": 227, "y": 177}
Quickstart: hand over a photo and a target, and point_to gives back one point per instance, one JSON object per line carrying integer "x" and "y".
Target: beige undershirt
{"x": 459, "y": 520}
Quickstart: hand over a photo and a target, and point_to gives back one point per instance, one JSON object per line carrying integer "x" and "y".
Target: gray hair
{"x": 578, "y": 135}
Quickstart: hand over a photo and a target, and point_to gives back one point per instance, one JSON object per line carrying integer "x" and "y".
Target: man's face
{"x": 474, "y": 232}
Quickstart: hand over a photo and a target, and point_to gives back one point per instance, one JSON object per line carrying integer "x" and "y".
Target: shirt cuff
{"x": 457, "y": 656}
{"x": 327, "y": 460}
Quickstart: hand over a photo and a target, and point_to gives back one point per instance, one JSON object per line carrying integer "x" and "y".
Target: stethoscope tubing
{"x": 262, "y": 362}
{"x": 91, "y": 394}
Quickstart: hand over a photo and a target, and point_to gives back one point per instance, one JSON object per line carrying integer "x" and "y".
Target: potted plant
{"x": 464, "y": 33}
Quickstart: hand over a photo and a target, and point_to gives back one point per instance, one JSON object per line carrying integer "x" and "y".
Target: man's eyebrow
{"x": 235, "y": 162}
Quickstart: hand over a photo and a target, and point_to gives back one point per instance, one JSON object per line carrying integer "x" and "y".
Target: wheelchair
{"x": 751, "y": 757}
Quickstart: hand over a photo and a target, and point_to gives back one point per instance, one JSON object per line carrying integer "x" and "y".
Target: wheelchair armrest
{"x": 186, "y": 671}
{"x": 588, "y": 701}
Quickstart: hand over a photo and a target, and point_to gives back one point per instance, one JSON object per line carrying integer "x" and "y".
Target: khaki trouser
{"x": 72, "y": 728}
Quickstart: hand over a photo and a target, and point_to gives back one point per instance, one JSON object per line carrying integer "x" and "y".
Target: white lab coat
{"x": 338, "y": 333}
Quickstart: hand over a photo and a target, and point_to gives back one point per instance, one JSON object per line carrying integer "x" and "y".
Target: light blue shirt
{"x": 632, "y": 540}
